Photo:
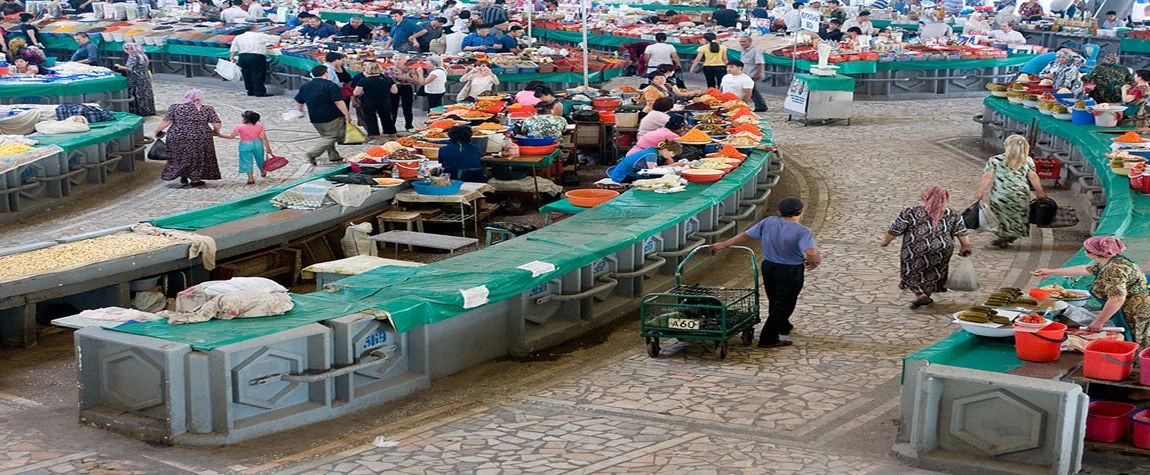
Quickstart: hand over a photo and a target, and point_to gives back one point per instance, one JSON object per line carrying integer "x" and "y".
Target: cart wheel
{"x": 653, "y": 348}
{"x": 721, "y": 350}
{"x": 748, "y": 336}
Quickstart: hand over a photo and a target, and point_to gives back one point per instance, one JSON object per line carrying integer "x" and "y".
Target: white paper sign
{"x": 809, "y": 20}
{"x": 796, "y": 102}
{"x": 537, "y": 268}
{"x": 474, "y": 296}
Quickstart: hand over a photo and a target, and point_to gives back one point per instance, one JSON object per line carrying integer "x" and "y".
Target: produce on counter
{"x": 79, "y": 252}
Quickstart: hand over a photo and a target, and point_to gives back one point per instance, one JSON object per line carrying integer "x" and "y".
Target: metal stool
{"x": 497, "y": 235}
{"x": 412, "y": 220}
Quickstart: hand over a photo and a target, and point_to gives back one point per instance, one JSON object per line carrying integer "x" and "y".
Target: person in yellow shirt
{"x": 714, "y": 58}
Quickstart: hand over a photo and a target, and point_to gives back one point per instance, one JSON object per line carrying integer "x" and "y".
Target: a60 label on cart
{"x": 683, "y": 323}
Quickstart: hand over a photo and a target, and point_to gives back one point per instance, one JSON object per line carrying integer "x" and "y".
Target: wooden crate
{"x": 281, "y": 264}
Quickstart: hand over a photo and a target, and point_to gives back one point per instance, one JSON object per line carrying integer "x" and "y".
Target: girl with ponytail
{"x": 714, "y": 58}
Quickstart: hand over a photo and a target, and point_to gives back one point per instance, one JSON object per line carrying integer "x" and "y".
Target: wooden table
{"x": 467, "y": 196}
{"x": 533, "y": 160}
{"x": 434, "y": 241}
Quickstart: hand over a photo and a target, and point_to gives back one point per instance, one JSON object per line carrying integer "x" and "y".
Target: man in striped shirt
{"x": 493, "y": 14}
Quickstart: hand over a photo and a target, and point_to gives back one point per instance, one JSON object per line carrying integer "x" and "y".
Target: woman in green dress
{"x": 1007, "y": 177}
{"x": 1118, "y": 282}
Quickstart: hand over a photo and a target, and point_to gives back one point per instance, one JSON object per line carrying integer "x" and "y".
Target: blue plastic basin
{"x": 422, "y": 187}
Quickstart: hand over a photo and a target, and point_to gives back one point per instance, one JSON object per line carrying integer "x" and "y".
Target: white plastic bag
{"x": 229, "y": 70}
{"x": 962, "y": 277}
{"x": 355, "y": 241}
{"x": 987, "y": 222}
{"x": 292, "y": 114}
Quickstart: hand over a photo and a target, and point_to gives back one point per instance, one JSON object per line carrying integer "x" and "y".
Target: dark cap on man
{"x": 790, "y": 205}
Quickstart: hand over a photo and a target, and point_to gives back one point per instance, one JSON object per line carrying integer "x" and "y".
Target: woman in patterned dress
{"x": 139, "y": 83}
{"x": 190, "y": 145}
{"x": 1010, "y": 174}
{"x": 1118, "y": 282}
{"x": 1134, "y": 97}
{"x": 928, "y": 233}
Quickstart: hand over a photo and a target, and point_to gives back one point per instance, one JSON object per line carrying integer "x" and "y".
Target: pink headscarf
{"x": 935, "y": 199}
{"x": 1104, "y": 246}
{"x": 194, "y": 97}
{"x": 135, "y": 49}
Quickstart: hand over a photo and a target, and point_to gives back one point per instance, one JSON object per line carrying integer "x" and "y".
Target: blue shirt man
{"x": 788, "y": 250}
{"x": 402, "y": 31}
{"x": 317, "y": 28}
{"x": 480, "y": 41}
{"x": 87, "y": 52}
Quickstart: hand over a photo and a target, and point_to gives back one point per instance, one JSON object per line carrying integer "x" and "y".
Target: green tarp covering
{"x": 101, "y": 132}
{"x": 965, "y": 350}
{"x": 563, "y": 206}
{"x": 604, "y": 40}
{"x": 825, "y": 83}
{"x": 417, "y": 296}
{"x": 87, "y": 86}
{"x": 1134, "y": 45}
{"x": 1127, "y": 213}
{"x": 69, "y": 43}
{"x": 867, "y": 67}
{"x": 235, "y": 210}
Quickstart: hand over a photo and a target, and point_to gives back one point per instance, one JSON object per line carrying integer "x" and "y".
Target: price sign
{"x": 809, "y": 20}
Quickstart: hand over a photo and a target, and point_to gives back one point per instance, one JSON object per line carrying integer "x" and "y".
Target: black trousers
{"x": 782, "y": 284}
{"x": 714, "y": 75}
{"x": 375, "y": 114}
{"x": 434, "y": 100}
{"x": 405, "y": 98}
{"x": 255, "y": 70}
{"x": 760, "y": 104}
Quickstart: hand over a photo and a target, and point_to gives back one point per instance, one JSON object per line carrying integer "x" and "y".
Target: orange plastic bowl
{"x": 1039, "y": 294}
{"x": 590, "y": 197}
{"x": 703, "y": 175}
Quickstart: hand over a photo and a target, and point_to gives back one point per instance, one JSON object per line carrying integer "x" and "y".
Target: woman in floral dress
{"x": 928, "y": 233}
{"x": 190, "y": 144}
{"x": 1134, "y": 97}
{"x": 139, "y": 83}
{"x": 1011, "y": 174}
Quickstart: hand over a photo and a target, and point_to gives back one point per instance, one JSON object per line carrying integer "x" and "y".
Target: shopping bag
{"x": 275, "y": 162}
{"x": 352, "y": 135}
{"x": 1064, "y": 217}
{"x": 355, "y": 241}
{"x": 228, "y": 70}
{"x": 159, "y": 150}
{"x": 987, "y": 222}
{"x": 962, "y": 277}
{"x": 970, "y": 216}
{"x": 1042, "y": 211}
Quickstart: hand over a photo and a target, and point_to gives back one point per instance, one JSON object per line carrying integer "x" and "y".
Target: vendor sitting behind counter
{"x": 628, "y": 168}
{"x": 460, "y": 158}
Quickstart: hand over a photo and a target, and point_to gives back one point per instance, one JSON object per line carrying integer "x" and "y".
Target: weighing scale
{"x": 821, "y": 95}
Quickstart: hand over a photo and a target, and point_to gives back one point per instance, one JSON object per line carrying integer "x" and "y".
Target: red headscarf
{"x": 1104, "y": 246}
{"x": 935, "y": 200}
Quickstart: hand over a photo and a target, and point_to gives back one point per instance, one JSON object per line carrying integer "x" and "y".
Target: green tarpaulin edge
{"x": 71, "y": 88}
{"x": 101, "y": 132}
{"x": 227, "y": 212}
{"x": 418, "y": 296}
{"x": 828, "y": 83}
{"x": 867, "y": 67}
{"x": 1134, "y": 45}
{"x": 965, "y": 350}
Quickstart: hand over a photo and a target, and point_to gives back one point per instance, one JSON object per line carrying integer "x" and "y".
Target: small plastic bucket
{"x": 407, "y": 168}
{"x": 1108, "y": 421}
{"x": 1144, "y": 365}
{"x": 1107, "y": 119}
{"x": 1109, "y": 360}
{"x": 1081, "y": 117}
{"x": 1040, "y": 346}
{"x": 1141, "y": 422}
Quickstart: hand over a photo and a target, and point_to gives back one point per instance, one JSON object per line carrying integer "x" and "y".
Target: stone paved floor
{"x": 826, "y": 405}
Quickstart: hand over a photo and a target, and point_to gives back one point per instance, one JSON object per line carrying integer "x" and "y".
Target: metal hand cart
{"x": 698, "y": 312}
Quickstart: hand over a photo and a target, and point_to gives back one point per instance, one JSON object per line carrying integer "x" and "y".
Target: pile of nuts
{"x": 79, "y": 252}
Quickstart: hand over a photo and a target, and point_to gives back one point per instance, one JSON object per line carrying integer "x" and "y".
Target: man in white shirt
{"x": 792, "y": 17}
{"x": 660, "y": 53}
{"x": 234, "y": 14}
{"x": 753, "y": 64}
{"x": 251, "y": 48}
{"x": 862, "y": 22}
{"x": 455, "y": 42}
{"x": 255, "y": 10}
{"x": 1007, "y": 34}
{"x": 737, "y": 83}
{"x": 1112, "y": 21}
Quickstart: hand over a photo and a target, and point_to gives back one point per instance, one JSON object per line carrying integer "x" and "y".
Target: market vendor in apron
{"x": 1118, "y": 282}
{"x": 628, "y": 168}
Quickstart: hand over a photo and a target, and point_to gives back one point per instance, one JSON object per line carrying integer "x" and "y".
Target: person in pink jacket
{"x": 673, "y": 129}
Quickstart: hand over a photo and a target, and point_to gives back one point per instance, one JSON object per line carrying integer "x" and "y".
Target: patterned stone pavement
{"x": 825, "y": 405}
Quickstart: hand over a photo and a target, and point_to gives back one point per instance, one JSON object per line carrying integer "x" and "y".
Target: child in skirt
{"x": 253, "y": 143}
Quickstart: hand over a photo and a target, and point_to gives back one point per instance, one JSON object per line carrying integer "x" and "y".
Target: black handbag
{"x": 159, "y": 150}
{"x": 970, "y": 216}
{"x": 1042, "y": 211}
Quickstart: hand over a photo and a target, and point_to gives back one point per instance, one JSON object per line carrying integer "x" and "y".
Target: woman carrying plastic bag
{"x": 928, "y": 232}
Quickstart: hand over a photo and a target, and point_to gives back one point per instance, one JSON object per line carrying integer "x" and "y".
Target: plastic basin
{"x": 1108, "y": 421}
{"x": 1109, "y": 360}
{"x": 703, "y": 175}
{"x": 423, "y": 187}
{"x": 1141, "y": 425}
{"x": 537, "y": 150}
{"x": 534, "y": 141}
{"x": 590, "y": 197}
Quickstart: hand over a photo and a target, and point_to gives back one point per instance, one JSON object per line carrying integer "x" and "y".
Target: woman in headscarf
{"x": 1118, "y": 282}
{"x": 1063, "y": 71}
{"x": 933, "y": 25}
{"x": 928, "y": 232}
{"x": 1134, "y": 96}
{"x": 1108, "y": 78}
{"x": 460, "y": 158}
{"x": 1011, "y": 173}
{"x": 139, "y": 83}
{"x": 977, "y": 25}
{"x": 190, "y": 145}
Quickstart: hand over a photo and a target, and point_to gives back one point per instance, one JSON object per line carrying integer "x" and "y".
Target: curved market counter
{"x": 110, "y": 92}
{"x": 1116, "y": 210}
{"x": 33, "y": 182}
{"x": 387, "y": 333}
